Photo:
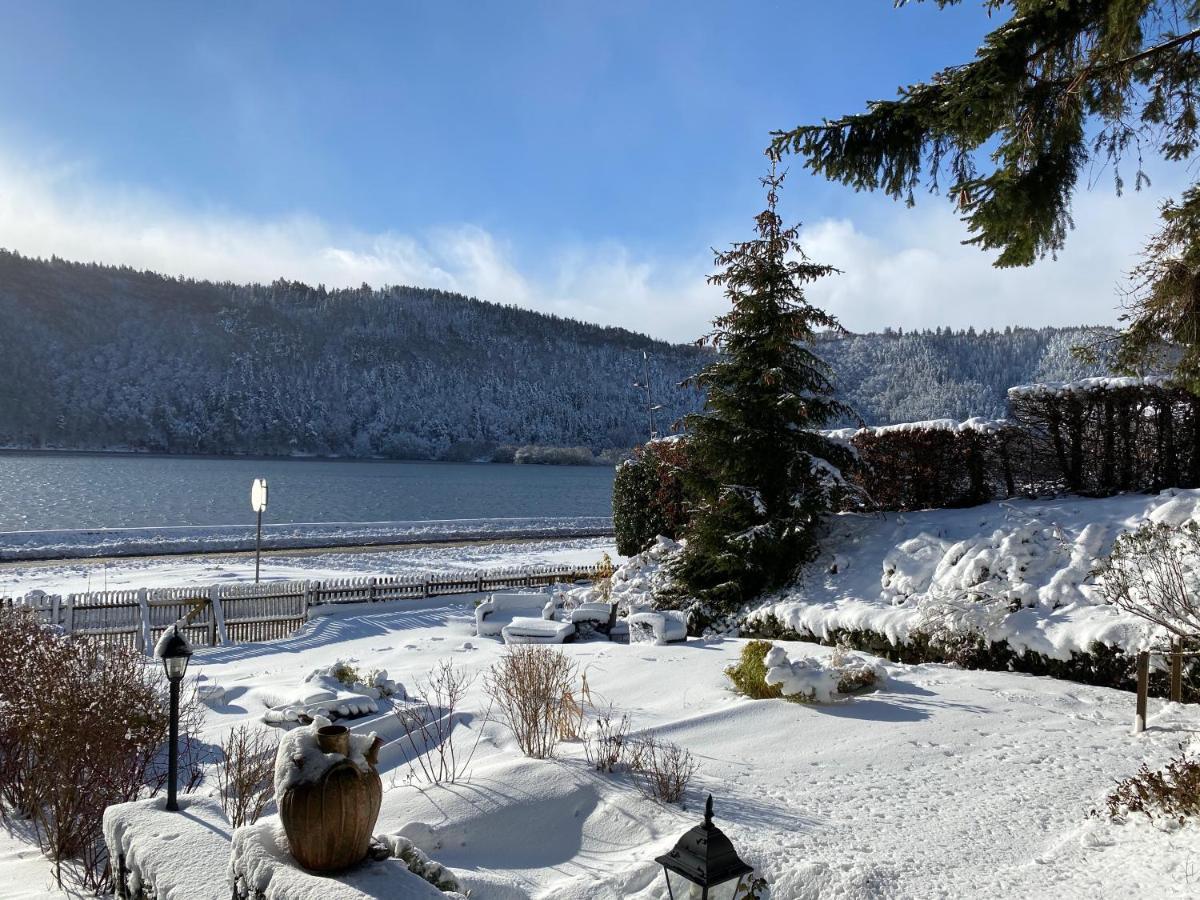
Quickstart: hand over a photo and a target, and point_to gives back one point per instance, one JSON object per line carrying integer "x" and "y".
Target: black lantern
{"x": 175, "y": 652}
{"x": 703, "y": 865}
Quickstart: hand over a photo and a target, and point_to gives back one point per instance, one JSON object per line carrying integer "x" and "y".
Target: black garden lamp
{"x": 703, "y": 865}
{"x": 175, "y": 652}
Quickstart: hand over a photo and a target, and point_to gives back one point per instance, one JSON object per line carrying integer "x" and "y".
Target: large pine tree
{"x": 761, "y": 473}
{"x": 1056, "y": 88}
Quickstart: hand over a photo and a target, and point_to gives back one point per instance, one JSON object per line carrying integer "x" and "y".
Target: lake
{"x": 85, "y": 490}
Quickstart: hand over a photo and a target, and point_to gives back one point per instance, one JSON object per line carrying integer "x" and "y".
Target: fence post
{"x": 1177, "y": 670}
{"x": 425, "y": 586}
{"x": 479, "y": 581}
{"x": 371, "y": 590}
{"x": 219, "y": 633}
{"x": 143, "y": 640}
{"x": 1143, "y": 691}
{"x": 69, "y": 615}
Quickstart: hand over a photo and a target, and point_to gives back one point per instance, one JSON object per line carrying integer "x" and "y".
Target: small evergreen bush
{"x": 749, "y": 676}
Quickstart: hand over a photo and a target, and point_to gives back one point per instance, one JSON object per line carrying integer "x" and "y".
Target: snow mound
{"x": 176, "y": 855}
{"x": 261, "y": 866}
{"x": 336, "y": 691}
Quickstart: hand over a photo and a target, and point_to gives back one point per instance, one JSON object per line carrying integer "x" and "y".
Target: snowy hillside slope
{"x": 894, "y": 573}
{"x": 98, "y": 357}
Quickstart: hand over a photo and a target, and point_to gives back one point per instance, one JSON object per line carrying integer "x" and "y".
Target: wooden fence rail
{"x": 242, "y": 613}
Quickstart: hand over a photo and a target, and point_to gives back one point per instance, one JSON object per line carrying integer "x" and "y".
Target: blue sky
{"x": 574, "y": 157}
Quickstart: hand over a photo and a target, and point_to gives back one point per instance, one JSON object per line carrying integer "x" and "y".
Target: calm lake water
{"x": 69, "y": 490}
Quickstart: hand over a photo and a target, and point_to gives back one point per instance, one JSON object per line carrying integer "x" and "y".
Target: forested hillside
{"x": 909, "y": 376}
{"x": 95, "y": 357}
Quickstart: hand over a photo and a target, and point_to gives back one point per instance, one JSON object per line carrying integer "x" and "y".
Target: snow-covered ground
{"x": 79, "y": 575}
{"x": 895, "y": 572}
{"x": 944, "y": 783}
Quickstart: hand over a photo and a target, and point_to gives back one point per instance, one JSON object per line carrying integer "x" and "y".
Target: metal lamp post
{"x": 175, "y": 653}
{"x": 258, "y": 503}
{"x": 703, "y": 865}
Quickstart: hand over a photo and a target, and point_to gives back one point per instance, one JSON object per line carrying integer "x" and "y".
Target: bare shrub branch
{"x": 429, "y": 728}
{"x": 1154, "y": 573}
{"x": 529, "y": 684}
{"x": 607, "y": 744}
{"x": 84, "y": 726}
{"x": 245, "y": 773}
{"x": 661, "y": 769}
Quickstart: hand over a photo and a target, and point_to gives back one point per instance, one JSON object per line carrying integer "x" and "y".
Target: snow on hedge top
{"x": 181, "y": 855}
{"x": 300, "y": 759}
{"x": 976, "y": 424}
{"x": 1083, "y": 385}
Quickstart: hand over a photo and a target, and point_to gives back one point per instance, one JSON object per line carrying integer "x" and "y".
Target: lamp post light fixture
{"x": 703, "y": 864}
{"x": 258, "y": 503}
{"x": 175, "y": 652}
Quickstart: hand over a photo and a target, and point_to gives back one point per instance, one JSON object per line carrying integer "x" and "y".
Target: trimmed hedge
{"x": 1102, "y": 665}
{"x": 648, "y": 496}
{"x": 1095, "y": 437}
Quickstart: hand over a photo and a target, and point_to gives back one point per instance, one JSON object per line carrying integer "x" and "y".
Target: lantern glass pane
{"x": 681, "y": 888}
{"x": 176, "y": 666}
{"x": 726, "y": 891}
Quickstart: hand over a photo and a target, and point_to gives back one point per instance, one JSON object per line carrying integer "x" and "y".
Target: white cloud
{"x": 914, "y": 271}
{"x": 910, "y": 272}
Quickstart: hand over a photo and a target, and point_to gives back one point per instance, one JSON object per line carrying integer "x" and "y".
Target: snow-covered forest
{"x": 98, "y": 357}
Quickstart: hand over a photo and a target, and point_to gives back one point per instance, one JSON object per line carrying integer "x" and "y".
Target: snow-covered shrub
{"x": 528, "y": 684}
{"x": 764, "y": 671}
{"x": 245, "y": 773}
{"x": 648, "y": 495}
{"x": 420, "y": 864}
{"x": 1171, "y": 793}
{"x": 88, "y": 721}
{"x": 634, "y": 584}
{"x": 749, "y": 675}
{"x": 1154, "y": 572}
{"x": 806, "y": 679}
{"x": 429, "y": 726}
{"x": 662, "y": 770}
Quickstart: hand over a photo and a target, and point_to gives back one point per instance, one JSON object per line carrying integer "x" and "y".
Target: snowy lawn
{"x": 945, "y": 783}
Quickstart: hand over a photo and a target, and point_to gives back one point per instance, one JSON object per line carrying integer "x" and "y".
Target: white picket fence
{"x": 240, "y": 613}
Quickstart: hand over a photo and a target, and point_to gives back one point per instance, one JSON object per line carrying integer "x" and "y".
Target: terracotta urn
{"x": 329, "y": 819}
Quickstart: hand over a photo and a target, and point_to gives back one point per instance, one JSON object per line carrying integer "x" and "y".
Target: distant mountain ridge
{"x": 102, "y": 357}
